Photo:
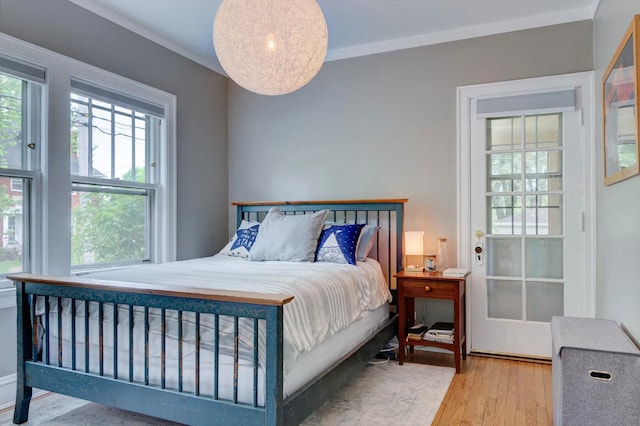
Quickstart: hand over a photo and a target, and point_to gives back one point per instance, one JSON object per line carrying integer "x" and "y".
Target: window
{"x": 20, "y": 124}
{"x": 92, "y": 186}
{"x": 114, "y": 140}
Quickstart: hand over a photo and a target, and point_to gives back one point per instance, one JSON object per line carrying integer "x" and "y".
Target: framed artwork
{"x": 620, "y": 109}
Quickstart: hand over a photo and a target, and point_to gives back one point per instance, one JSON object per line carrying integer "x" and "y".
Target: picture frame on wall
{"x": 620, "y": 109}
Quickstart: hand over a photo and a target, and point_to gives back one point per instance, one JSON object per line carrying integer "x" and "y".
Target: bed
{"x": 169, "y": 344}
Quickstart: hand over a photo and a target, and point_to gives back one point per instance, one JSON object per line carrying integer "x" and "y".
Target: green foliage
{"x": 627, "y": 155}
{"x": 10, "y": 115}
{"x": 108, "y": 228}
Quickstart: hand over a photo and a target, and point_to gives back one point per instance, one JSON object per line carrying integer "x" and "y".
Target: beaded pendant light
{"x": 270, "y": 47}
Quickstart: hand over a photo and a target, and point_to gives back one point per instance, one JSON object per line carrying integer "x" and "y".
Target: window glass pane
{"x": 505, "y": 214}
{"x": 101, "y": 143}
{"x": 141, "y": 150}
{"x": 504, "y": 133}
{"x": 108, "y": 227}
{"x": 123, "y": 148}
{"x": 543, "y": 131}
{"x": 12, "y": 122}
{"x": 544, "y": 258}
{"x": 504, "y": 299}
{"x": 544, "y": 300}
{"x": 543, "y": 214}
{"x": 14, "y": 226}
{"x": 505, "y": 172}
{"x": 543, "y": 171}
{"x": 504, "y": 257}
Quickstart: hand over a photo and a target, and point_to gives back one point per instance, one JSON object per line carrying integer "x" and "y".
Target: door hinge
{"x": 582, "y": 221}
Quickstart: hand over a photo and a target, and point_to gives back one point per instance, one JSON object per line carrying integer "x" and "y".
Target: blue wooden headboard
{"x": 386, "y": 213}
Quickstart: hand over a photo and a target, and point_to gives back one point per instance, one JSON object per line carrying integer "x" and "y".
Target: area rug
{"x": 381, "y": 394}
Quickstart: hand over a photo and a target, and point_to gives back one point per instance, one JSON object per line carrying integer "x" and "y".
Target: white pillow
{"x": 366, "y": 242}
{"x": 291, "y": 238}
{"x": 240, "y": 244}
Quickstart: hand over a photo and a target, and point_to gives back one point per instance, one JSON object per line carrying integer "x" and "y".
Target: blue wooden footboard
{"x": 45, "y": 370}
{"x": 67, "y": 370}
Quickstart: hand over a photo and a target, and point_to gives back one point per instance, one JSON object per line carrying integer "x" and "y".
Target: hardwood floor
{"x": 492, "y": 391}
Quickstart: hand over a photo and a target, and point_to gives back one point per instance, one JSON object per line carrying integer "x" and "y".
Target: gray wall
{"x": 8, "y": 335}
{"x": 618, "y": 234}
{"x": 385, "y": 125}
{"x": 202, "y": 190}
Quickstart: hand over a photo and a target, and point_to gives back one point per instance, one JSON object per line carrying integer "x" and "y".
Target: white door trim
{"x": 584, "y": 82}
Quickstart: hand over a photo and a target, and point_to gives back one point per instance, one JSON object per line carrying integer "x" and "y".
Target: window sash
{"x": 22, "y": 177}
{"x": 26, "y": 213}
{"x": 149, "y": 195}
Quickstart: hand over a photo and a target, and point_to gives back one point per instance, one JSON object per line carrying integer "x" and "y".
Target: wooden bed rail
{"x": 155, "y": 289}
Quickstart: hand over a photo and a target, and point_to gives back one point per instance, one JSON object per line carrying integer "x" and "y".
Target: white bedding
{"x": 327, "y": 299}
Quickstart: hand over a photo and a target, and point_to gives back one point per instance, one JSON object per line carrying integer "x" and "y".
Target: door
{"x": 527, "y": 226}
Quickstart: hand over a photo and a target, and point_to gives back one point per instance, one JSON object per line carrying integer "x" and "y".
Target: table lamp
{"x": 414, "y": 246}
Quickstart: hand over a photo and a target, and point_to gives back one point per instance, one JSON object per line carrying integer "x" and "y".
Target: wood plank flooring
{"x": 492, "y": 391}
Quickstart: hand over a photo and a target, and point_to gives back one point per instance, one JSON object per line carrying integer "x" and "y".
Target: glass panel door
{"x": 525, "y": 240}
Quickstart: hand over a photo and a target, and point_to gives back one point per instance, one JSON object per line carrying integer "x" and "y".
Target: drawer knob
{"x": 427, "y": 288}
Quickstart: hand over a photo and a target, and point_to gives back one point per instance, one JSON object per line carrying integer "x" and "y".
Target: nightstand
{"x": 431, "y": 285}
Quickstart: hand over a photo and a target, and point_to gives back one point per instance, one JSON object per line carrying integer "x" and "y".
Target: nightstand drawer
{"x": 425, "y": 288}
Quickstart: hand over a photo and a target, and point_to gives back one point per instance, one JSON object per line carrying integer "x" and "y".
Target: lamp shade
{"x": 270, "y": 47}
{"x": 414, "y": 243}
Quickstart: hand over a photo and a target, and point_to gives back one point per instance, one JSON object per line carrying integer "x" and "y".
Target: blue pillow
{"x": 338, "y": 243}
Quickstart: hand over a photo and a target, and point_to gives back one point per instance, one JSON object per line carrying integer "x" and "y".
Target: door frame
{"x": 583, "y": 82}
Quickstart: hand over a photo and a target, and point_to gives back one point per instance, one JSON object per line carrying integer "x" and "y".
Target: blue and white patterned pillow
{"x": 338, "y": 243}
{"x": 240, "y": 244}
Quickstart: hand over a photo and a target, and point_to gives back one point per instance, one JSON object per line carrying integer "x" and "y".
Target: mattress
{"x": 335, "y": 307}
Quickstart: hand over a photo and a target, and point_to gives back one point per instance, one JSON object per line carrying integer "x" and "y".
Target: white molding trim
{"x": 145, "y": 32}
{"x": 465, "y": 95}
{"x": 595, "y": 4}
{"x": 581, "y": 14}
{"x": 8, "y": 391}
{"x": 461, "y": 33}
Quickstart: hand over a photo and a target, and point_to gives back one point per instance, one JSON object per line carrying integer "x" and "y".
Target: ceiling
{"x": 356, "y": 27}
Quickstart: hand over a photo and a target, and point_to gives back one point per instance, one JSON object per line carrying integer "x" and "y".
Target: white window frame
{"x": 84, "y": 183}
{"x": 51, "y": 242}
{"x": 29, "y": 174}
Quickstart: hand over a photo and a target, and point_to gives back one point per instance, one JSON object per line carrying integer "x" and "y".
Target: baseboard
{"x": 8, "y": 391}
{"x": 512, "y": 357}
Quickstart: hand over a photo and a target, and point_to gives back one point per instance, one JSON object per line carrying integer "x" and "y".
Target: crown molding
{"x": 595, "y": 4}
{"x": 147, "y": 33}
{"x": 462, "y": 33}
{"x": 574, "y": 15}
